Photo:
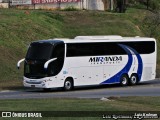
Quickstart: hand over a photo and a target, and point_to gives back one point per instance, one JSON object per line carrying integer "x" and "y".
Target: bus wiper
{"x": 19, "y": 62}
{"x": 48, "y": 62}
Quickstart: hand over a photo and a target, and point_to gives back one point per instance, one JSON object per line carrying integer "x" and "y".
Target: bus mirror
{"x": 48, "y": 62}
{"x": 19, "y": 62}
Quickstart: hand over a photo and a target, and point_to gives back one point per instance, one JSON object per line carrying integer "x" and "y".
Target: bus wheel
{"x": 124, "y": 80}
{"x": 133, "y": 79}
{"x": 68, "y": 84}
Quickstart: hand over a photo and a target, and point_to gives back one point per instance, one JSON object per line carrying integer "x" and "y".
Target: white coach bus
{"x": 89, "y": 60}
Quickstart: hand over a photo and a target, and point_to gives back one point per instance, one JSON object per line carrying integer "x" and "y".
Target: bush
{"x": 70, "y": 8}
{"x": 154, "y": 4}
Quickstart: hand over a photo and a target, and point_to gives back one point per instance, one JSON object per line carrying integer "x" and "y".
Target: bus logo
{"x": 106, "y": 59}
{"x": 6, "y": 114}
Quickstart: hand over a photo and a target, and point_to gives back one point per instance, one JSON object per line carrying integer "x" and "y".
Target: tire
{"x": 124, "y": 80}
{"x": 134, "y": 79}
{"x": 68, "y": 84}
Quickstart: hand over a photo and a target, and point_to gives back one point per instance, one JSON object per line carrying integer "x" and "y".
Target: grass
{"x": 19, "y": 27}
{"x": 115, "y": 104}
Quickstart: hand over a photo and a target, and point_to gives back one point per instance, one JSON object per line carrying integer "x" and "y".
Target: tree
{"x": 151, "y": 4}
{"x": 111, "y": 5}
{"x": 121, "y": 6}
{"x": 147, "y": 4}
{"x": 106, "y": 4}
{"x": 152, "y": 24}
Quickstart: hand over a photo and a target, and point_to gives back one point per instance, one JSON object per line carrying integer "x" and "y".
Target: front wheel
{"x": 124, "y": 80}
{"x": 68, "y": 84}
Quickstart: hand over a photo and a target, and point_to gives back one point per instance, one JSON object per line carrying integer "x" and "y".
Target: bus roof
{"x": 83, "y": 39}
{"x": 86, "y": 39}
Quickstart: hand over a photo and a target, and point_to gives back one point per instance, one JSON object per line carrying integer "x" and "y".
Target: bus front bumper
{"x": 37, "y": 83}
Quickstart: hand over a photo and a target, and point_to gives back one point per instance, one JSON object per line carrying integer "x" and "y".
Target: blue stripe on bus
{"x": 140, "y": 63}
{"x": 127, "y": 67}
{"x": 124, "y": 70}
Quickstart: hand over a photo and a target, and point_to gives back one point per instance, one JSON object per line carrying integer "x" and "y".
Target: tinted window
{"x": 38, "y": 51}
{"x": 56, "y": 66}
{"x": 34, "y": 70}
{"x": 93, "y": 49}
{"x": 142, "y": 47}
{"x": 110, "y": 48}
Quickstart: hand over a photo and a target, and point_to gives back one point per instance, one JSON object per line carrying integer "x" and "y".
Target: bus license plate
{"x": 33, "y": 86}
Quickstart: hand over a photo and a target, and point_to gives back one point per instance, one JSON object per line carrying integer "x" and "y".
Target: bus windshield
{"x": 38, "y": 54}
{"x": 39, "y": 51}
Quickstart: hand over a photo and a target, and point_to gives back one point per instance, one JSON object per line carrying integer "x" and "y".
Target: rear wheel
{"x": 124, "y": 80}
{"x": 133, "y": 79}
{"x": 68, "y": 84}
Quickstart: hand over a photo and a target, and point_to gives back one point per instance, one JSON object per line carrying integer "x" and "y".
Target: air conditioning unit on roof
{"x": 109, "y": 37}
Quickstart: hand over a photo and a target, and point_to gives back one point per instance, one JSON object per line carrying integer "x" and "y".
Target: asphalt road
{"x": 149, "y": 88}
